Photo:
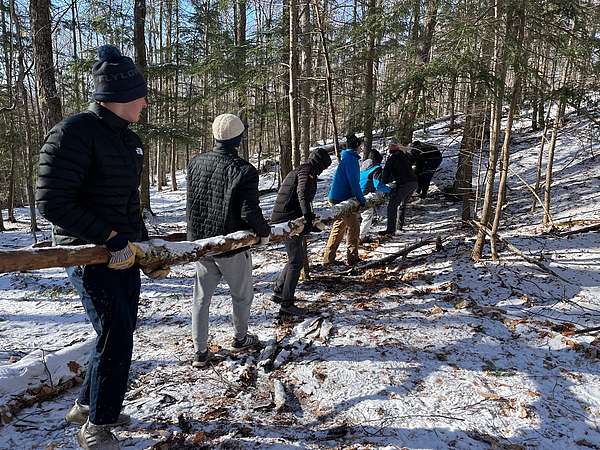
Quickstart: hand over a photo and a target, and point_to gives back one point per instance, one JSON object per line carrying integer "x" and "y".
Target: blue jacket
{"x": 346, "y": 180}
{"x": 370, "y": 179}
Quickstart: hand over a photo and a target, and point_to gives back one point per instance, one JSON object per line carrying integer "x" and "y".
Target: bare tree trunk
{"x": 305, "y": 85}
{"x": 423, "y": 45}
{"x": 549, "y": 167}
{"x": 329, "y": 76}
{"x": 518, "y": 69}
{"x": 538, "y": 177}
{"x": 369, "y": 96}
{"x": 175, "y": 101}
{"x": 463, "y": 185}
{"x": 293, "y": 81}
{"x": 496, "y": 117}
{"x": 240, "y": 41}
{"x": 41, "y": 28}
{"x": 139, "y": 33}
{"x": 27, "y": 153}
{"x": 452, "y": 101}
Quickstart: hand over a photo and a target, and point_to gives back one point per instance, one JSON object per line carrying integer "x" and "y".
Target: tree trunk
{"x": 305, "y": 85}
{"x": 496, "y": 118}
{"x": 329, "y": 77}
{"x": 518, "y": 75}
{"x": 422, "y": 46}
{"x": 293, "y": 81}
{"x": 369, "y": 96}
{"x": 240, "y": 41}
{"x": 41, "y": 29}
{"x": 139, "y": 33}
{"x": 23, "y": 94}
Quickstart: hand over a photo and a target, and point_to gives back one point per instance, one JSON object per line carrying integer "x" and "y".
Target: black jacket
{"x": 398, "y": 168}
{"x": 89, "y": 174}
{"x": 425, "y": 157}
{"x": 299, "y": 188}
{"x": 222, "y": 195}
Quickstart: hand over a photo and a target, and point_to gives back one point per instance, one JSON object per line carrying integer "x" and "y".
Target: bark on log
{"x": 352, "y": 205}
{"x": 157, "y": 253}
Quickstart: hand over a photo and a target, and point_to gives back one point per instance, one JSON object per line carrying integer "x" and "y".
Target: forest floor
{"x": 432, "y": 351}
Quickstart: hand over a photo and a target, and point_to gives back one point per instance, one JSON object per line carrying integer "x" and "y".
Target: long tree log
{"x": 157, "y": 253}
{"x": 167, "y": 251}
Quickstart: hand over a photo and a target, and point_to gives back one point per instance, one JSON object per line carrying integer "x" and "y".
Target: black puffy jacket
{"x": 222, "y": 195}
{"x": 398, "y": 168}
{"x": 299, "y": 188}
{"x": 425, "y": 157}
{"x": 89, "y": 174}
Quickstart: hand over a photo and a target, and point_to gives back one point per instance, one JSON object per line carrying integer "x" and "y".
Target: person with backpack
{"x": 294, "y": 200}
{"x": 370, "y": 181}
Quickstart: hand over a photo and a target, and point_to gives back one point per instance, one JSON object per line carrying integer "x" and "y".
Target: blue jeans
{"x": 75, "y": 274}
{"x": 115, "y": 295}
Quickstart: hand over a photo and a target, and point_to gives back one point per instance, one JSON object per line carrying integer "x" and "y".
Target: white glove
{"x": 264, "y": 240}
{"x": 319, "y": 225}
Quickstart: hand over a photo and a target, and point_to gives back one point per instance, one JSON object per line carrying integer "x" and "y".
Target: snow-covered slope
{"x": 430, "y": 352}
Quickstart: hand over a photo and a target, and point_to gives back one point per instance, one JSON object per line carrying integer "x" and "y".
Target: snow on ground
{"x": 431, "y": 352}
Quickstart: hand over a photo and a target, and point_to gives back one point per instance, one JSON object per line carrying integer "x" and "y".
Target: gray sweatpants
{"x": 237, "y": 271}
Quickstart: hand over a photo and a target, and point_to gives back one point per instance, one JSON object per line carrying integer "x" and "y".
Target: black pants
{"x": 285, "y": 285}
{"x": 115, "y": 295}
{"x": 424, "y": 180}
{"x": 398, "y": 196}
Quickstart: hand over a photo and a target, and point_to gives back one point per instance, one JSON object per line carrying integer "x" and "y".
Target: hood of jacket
{"x": 319, "y": 160}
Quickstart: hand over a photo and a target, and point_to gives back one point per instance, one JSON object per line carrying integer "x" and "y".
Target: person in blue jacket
{"x": 346, "y": 185}
{"x": 370, "y": 181}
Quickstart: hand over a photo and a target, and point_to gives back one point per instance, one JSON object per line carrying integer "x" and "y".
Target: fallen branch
{"x": 586, "y": 330}
{"x": 400, "y": 253}
{"x": 587, "y": 229}
{"x": 157, "y": 253}
{"x": 518, "y": 252}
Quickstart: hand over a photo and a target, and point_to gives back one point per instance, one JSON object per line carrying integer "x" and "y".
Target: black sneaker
{"x": 386, "y": 233}
{"x": 250, "y": 341}
{"x": 201, "y": 359}
{"x": 292, "y": 310}
{"x": 276, "y": 299}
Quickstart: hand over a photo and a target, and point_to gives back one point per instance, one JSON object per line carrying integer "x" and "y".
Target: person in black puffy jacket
{"x": 426, "y": 159}
{"x": 89, "y": 173}
{"x": 222, "y": 198}
{"x": 294, "y": 200}
{"x": 397, "y": 170}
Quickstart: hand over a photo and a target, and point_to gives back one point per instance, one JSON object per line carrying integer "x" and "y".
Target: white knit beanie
{"x": 227, "y": 126}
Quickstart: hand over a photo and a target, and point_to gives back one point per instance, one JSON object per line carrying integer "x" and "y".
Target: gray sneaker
{"x": 202, "y": 359}
{"x": 79, "y": 414}
{"x": 97, "y": 437}
{"x": 250, "y": 341}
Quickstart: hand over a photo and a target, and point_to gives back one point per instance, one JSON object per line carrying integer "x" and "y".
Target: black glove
{"x": 308, "y": 224}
